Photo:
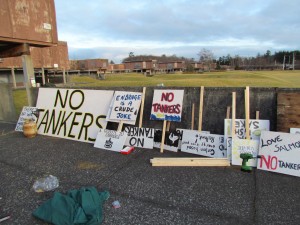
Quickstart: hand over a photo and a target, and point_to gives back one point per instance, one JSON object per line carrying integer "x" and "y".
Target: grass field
{"x": 209, "y": 79}
{"x": 288, "y": 79}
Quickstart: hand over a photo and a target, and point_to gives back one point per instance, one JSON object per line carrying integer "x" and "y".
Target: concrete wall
{"x": 7, "y": 108}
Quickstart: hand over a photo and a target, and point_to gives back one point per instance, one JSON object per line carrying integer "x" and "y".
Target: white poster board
{"x": 280, "y": 153}
{"x": 139, "y": 137}
{"x": 124, "y": 107}
{"x": 179, "y": 130}
{"x": 110, "y": 140}
{"x": 244, "y": 146}
{"x": 167, "y": 105}
{"x": 211, "y": 145}
{"x": 255, "y": 129}
{"x": 295, "y": 130}
{"x": 72, "y": 113}
{"x": 28, "y": 112}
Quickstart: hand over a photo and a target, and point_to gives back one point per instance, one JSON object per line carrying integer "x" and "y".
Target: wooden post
{"x": 29, "y": 76}
{"x": 247, "y": 112}
{"x": 43, "y": 76}
{"x": 120, "y": 126}
{"x": 201, "y": 108}
{"x": 193, "y": 116}
{"x": 162, "y": 145}
{"x": 228, "y": 112}
{"x": 257, "y": 115}
{"x": 13, "y": 77}
{"x": 233, "y": 114}
{"x": 142, "y": 108}
{"x": 64, "y": 75}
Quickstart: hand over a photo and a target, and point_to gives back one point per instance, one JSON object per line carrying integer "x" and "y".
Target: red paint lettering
{"x": 271, "y": 162}
{"x": 167, "y": 97}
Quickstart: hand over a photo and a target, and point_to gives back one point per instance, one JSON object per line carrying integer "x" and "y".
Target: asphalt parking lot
{"x": 148, "y": 195}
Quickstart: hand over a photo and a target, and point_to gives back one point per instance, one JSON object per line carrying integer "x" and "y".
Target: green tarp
{"x": 83, "y": 206}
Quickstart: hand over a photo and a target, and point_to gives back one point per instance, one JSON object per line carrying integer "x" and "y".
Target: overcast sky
{"x": 111, "y": 29}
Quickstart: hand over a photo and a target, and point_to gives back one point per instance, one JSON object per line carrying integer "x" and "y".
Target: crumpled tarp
{"x": 83, "y": 206}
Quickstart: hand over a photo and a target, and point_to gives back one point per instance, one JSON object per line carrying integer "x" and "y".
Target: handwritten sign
{"x": 28, "y": 112}
{"x": 180, "y": 131}
{"x": 255, "y": 127}
{"x": 72, "y": 113}
{"x": 110, "y": 140}
{"x": 244, "y": 146}
{"x": 295, "y": 130}
{"x": 280, "y": 153}
{"x": 167, "y": 105}
{"x": 139, "y": 137}
{"x": 171, "y": 140}
{"x": 211, "y": 145}
{"x": 125, "y": 106}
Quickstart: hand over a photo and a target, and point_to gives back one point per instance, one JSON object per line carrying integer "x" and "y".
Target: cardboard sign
{"x": 256, "y": 127}
{"x": 244, "y": 146}
{"x": 139, "y": 137}
{"x": 280, "y": 153}
{"x": 110, "y": 140}
{"x": 167, "y": 105}
{"x": 211, "y": 145}
{"x": 295, "y": 130}
{"x": 171, "y": 140}
{"x": 125, "y": 106}
{"x": 72, "y": 113}
{"x": 27, "y": 113}
{"x": 180, "y": 131}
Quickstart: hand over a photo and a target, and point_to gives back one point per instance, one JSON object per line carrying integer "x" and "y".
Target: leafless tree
{"x": 206, "y": 57}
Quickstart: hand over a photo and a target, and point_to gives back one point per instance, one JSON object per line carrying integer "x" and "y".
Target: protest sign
{"x": 124, "y": 107}
{"x": 244, "y": 146}
{"x": 280, "y": 153}
{"x": 180, "y": 131}
{"x": 171, "y": 140}
{"x": 167, "y": 105}
{"x": 256, "y": 127}
{"x": 72, "y": 113}
{"x": 28, "y": 112}
{"x": 110, "y": 140}
{"x": 211, "y": 145}
{"x": 295, "y": 130}
{"x": 139, "y": 137}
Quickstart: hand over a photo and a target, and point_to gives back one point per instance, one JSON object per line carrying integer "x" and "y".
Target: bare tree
{"x": 206, "y": 57}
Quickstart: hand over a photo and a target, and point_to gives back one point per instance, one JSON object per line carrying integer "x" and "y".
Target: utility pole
{"x": 293, "y": 60}
{"x": 283, "y": 62}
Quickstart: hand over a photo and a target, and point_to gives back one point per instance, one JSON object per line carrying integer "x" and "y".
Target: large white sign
{"x": 280, "y": 153}
{"x": 244, "y": 146}
{"x": 72, "y": 113}
{"x": 167, "y": 105}
{"x": 171, "y": 140}
{"x": 28, "y": 113}
{"x": 211, "y": 145}
{"x": 110, "y": 140}
{"x": 139, "y": 137}
{"x": 125, "y": 106}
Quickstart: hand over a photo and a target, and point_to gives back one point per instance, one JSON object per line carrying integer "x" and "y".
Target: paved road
{"x": 148, "y": 195}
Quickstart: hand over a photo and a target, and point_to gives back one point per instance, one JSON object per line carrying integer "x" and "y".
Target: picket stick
{"x": 162, "y": 145}
{"x": 142, "y": 108}
{"x": 228, "y": 112}
{"x": 257, "y": 115}
{"x": 120, "y": 126}
{"x": 233, "y": 114}
{"x": 247, "y": 112}
{"x": 201, "y": 108}
{"x": 193, "y": 116}
{"x": 168, "y": 125}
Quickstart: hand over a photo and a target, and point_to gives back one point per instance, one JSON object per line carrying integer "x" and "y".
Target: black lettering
{"x": 62, "y": 103}
{"x": 85, "y": 126}
{"x": 82, "y": 100}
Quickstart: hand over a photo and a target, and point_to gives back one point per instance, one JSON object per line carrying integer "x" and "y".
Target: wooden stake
{"x": 201, "y": 108}
{"x": 247, "y": 112}
{"x": 228, "y": 112}
{"x": 233, "y": 114}
{"x": 168, "y": 125}
{"x": 193, "y": 116}
{"x": 162, "y": 144}
{"x": 257, "y": 115}
{"x": 189, "y": 162}
{"x": 142, "y": 108}
{"x": 120, "y": 126}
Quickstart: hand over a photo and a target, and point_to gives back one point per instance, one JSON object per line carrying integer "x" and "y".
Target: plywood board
{"x": 189, "y": 162}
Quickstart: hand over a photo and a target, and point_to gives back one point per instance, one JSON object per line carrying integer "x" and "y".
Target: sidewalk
{"x": 148, "y": 195}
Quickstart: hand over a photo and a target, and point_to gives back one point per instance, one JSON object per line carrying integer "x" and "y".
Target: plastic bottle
{"x": 45, "y": 184}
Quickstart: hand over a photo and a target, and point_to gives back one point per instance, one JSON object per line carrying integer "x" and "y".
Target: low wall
{"x": 216, "y": 100}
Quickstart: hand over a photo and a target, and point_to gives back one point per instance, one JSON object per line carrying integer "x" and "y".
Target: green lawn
{"x": 289, "y": 79}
